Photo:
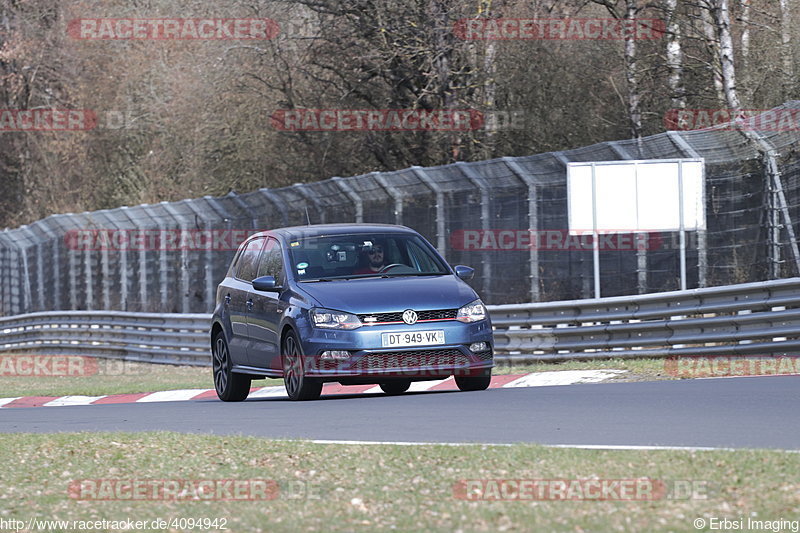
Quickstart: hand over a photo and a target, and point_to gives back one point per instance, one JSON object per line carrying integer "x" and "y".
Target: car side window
{"x": 248, "y": 262}
{"x": 271, "y": 263}
{"x": 422, "y": 260}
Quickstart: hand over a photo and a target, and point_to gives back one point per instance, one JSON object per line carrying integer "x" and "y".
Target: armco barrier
{"x": 147, "y": 337}
{"x": 748, "y": 319}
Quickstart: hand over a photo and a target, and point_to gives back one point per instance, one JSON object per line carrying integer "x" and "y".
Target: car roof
{"x": 318, "y": 230}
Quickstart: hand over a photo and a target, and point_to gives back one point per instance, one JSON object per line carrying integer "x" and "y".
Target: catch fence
{"x": 505, "y": 217}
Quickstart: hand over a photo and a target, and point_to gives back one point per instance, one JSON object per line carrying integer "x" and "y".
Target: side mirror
{"x": 265, "y": 284}
{"x": 464, "y": 272}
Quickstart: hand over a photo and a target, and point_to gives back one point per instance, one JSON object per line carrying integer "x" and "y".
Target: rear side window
{"x": 248, "y": 261}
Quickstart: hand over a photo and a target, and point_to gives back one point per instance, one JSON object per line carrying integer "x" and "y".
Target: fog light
{"x": 335, "y": 354}
{"x": 476, "y": 347}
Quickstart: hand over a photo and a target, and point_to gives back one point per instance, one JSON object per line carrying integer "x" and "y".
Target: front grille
{"x": 403, "y": 360}
{"x": 437, "y": 314}
{"x": 327, "y": 364}
{"x": 484, "y": 356}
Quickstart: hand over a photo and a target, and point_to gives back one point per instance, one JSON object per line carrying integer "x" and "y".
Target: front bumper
{"x": 368, "y": 358}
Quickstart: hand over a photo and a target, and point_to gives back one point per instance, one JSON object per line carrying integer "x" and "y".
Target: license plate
{"x": 412, "y": 338}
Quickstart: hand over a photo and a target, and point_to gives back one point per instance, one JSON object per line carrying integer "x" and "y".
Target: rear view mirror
{"x": 464, "y": 272}
{"x": 265, "y": 284}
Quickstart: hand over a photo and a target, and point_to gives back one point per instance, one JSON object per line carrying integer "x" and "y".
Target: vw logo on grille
{"x": 409, "y": 316}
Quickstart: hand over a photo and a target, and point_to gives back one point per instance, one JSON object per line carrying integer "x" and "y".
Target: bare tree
{"x": 721, "y": 13}
{"x": 786, "y": 49}
{"x": 744, "y": 42}
{"x": 489, "y": 75}
{"x": 744, "y": 18}
{"x": 674, "y": 53}
{"x": 717, "y": 25}
{"x": 629, "y": 14}
{"x": 712, "y": 42}
{"x": 197, "y": 112}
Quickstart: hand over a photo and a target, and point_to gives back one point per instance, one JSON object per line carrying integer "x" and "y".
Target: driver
{"x": 375, "y": 260}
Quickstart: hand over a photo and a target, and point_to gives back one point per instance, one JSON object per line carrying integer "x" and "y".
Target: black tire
{"x": 230, "y": 387}
{"x": 394, "y": 387}
{"x": 298, "y": 386}
{"x": 473, "y": 383}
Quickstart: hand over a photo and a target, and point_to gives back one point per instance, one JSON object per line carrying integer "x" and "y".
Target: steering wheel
{"x": 387, "y": 267}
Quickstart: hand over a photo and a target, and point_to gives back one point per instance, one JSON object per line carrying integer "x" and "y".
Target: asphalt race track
{"x": 757, "y": 412}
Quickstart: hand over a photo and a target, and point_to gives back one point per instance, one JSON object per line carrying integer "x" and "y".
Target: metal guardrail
{"x": 147, "y": 337}
{"x": 747, "y": 319}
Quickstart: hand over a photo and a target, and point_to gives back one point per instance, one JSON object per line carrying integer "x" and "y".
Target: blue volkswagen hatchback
{"x": 354, "y": 304}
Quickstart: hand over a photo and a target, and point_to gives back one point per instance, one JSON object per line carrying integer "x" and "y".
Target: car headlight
{"x": 472, "y": 312}
{"x": 327, "y": 318}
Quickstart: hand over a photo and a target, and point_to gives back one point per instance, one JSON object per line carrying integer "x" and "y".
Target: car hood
{"x": 382, "y": 295}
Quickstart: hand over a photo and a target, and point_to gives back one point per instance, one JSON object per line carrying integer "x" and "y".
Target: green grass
{"x": 113, "y": 377}
{"x": 123, "y": 377}
{"x": 637, "y": 369}
{"x": 385, "y": 487}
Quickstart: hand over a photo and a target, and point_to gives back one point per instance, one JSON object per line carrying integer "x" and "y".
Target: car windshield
{"x": 363, "y": 255}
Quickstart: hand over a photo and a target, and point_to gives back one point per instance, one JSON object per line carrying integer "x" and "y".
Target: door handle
{"x": 249, "y": 305}
{"x": 227, "y": 299}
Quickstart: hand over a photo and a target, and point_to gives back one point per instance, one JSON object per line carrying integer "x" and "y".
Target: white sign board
{"x": 636, "y": 196}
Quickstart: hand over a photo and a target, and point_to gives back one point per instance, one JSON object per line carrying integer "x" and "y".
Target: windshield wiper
{"x": 415, "y": 274}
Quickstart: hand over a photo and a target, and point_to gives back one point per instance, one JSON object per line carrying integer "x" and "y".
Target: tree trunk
{"x": 786, "y": 48}
{"x": 722, "y": 17}
{"x": 712, "y": 41}
{"x": 675, "y": 56}
{"x": 441, "y": 62}
{"x": 744, "y": 47}
{"x": 490, "y": 80}
{"x": 634, "y": 112}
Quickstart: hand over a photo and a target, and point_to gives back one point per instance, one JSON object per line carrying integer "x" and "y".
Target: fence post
{"x": 441, "y": 238}
{"x": 641, "y": 251}
{"x": 396, "y": 195}
{"x": 9, "y": 272}
{"x": 303, "y": 190}
{"x": 777, "y": 203}
{"x": 56, "y": 260}
{"x": 276, "y": 201}
{"x": 476, "y": 180}
{"x": 533, "y": 223}
{"x": 163, "y": 275}
{"x": 226, "y": 217}
{"x": 183, "y": 275}
{"x": 209, "y": 258}
{"x": 702, "y": 243}
{"x": 357, "y": 202}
